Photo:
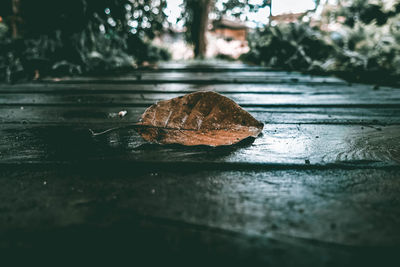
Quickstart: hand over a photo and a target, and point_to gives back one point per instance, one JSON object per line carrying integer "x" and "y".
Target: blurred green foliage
{"x": 364, "y": 47}
{"x": 78, "y": 36}
{"x": 291, "y": 46}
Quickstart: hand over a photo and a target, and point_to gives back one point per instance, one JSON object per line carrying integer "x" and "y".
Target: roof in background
{"x": 229, "y": 24}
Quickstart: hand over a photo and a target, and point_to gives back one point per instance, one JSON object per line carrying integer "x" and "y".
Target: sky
{"x": 261, "y": 17}
{"x": 291, "y": 6}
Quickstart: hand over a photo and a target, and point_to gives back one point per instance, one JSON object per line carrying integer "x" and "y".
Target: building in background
{"x": 227, "y": 38}
{"x": 230, "y": 30}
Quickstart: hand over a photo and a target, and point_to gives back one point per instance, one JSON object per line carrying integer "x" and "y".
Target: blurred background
{"x": 358, "y": 40}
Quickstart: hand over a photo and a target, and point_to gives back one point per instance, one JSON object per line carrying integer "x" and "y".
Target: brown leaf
{"x": 200, "y": 118}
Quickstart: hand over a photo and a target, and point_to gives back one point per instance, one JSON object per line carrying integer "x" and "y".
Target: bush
{"x": 366, "y": 49}
{"x": 88, "y": 38}
{"x": 289, "y": 46}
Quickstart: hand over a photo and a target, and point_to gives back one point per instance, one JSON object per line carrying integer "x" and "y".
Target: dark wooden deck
{"x": 320, "y": 187}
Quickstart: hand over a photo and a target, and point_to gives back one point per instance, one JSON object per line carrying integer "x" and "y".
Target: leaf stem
{"x": 136, "y": 125}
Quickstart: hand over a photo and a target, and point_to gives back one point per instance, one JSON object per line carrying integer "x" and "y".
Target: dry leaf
{"x": 201, "y": 118}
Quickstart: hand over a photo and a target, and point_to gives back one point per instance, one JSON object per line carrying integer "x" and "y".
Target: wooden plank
{"x": 203, "y": 78}
{"x": 147, "y": 79}
{"x": 344, "y": 207}
{"x": 97, "y": 87}
{"x": 277, "y": 115}
{"x": 206, "y": 67}
{"x": 281, "y": 145}
{"x": 319, "y": 186}
{"x": 244, "y": 99}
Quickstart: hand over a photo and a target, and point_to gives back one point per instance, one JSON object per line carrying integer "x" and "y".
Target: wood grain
{"x": 34, "y": 114}
{"x": 320, "y": 187}
{"x": 280, "y": 144}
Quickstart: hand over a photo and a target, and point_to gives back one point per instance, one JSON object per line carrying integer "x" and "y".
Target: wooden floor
{"x": 319, "y": 187}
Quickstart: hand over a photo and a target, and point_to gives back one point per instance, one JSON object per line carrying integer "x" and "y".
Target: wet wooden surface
{"x": 319, "y": 187}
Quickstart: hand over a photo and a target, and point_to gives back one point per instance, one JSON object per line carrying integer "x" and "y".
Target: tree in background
{"x": 196, "y": 15}
{"x": 197, "y": 12}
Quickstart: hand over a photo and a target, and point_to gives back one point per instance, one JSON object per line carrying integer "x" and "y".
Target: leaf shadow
{"x": 245, "y": 143}
{"x": 127, "y": 143}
